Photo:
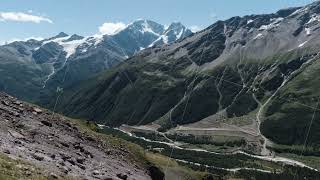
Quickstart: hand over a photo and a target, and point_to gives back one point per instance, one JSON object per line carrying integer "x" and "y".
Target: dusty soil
{"x": 52, "y": 142}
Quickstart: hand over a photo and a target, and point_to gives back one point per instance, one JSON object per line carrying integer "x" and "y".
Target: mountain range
{"x": 258, "y": 73}
{"x": 238, "y": 99}
{"x": 33, "y": 67}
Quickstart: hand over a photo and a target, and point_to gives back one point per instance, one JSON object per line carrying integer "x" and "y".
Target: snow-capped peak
{"x": 69, "y": 43}
{"x": 172, "y": 33}
{"x": 149, "y": 33}
{"x": 146, "y": 26}
{"x": 75, "y": 37}
{"x": 60, "y": 35}
{"x": 177, "y": 28}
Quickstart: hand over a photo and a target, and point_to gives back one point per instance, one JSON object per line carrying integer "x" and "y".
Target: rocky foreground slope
{"x": 61, "y": 147}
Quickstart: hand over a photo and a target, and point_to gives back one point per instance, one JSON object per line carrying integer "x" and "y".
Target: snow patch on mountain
{"x": 258, "y": 36}
{"x": 68, "y": 46}
{"x": 314, "y": 18}
{"x": 302, "y": 44}
{"x": 274, "y": 23}
{"x": 308, "y": 31}
{"x": 172, "y": 33}
{"x": 249, "y": 21}
{"x": 298, "y": 11}
{"x": 147, "y": 28}
{"x": 162, "y": 38}
{"x": 165, "y": 39}
{"x": 94, "y": 40}
{"x": 180, "y": 34}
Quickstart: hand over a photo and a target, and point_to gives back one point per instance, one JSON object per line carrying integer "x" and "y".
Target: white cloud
{"x": 195, "y": 28}
{"x": 22, "y": 17}
{"x": 110, "y": 28}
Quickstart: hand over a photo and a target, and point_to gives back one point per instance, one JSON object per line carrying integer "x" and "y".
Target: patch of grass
{"x": 296, "y": 149}
{"x": 242, "y": 120}
{"x": 136, "y": 153}
{"x": 172, "y": 169}
{"x": 211, "y": 147}
{"x": 308, "y": 155}
{"x": 287, "y": 117}
{"x": 312, "y": 161}
{"x": 11, "y": 169}
{"x": 207, "y": 139}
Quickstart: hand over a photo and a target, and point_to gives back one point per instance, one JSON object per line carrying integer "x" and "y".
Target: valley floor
{"x": 221, "y": 133}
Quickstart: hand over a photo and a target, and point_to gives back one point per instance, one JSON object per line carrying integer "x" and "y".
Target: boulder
{"x": 46, "y": 123}
{"x": 37, "y": 110}
{"x": 38, "y": 157}
{"x": 122, "y": 176}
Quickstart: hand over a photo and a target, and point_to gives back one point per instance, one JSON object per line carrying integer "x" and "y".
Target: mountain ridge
{"x": 169, "y": 85}
{"x": 45, "y": 62}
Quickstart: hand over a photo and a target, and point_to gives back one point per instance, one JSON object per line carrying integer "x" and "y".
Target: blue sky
{"x": 20, "y": 19}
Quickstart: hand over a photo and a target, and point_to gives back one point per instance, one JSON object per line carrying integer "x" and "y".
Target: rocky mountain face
{"x": 60, "y": 147}
{"x": 259, "y": 69}
{"x": 33, "y": 68}
{"x": 176, "y": 31}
